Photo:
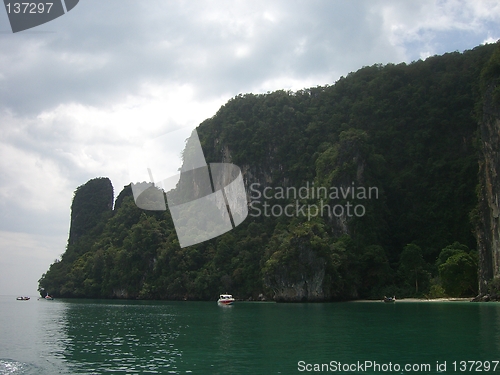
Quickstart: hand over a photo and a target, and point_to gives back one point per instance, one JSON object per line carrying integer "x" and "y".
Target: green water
{"x": 135, "y": 337}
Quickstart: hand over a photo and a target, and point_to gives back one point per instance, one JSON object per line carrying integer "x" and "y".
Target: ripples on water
{"x": 134, "y": 337}
{"x": 123, "y": 338}
{"x": 70, "y": 337}
{"x": 11, "y": 367}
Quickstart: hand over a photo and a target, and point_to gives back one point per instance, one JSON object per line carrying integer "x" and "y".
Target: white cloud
{"x": 83, "y": 63}
{"x": 425, "y": 54}
{"x": 424, "y": 24}
{"x": 31, "y": 180}
{"x": 490, "y": 40}
{"x": 63, "y": 147}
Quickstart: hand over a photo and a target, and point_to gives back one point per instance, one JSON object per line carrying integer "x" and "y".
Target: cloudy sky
{"x": 81, "y": 93}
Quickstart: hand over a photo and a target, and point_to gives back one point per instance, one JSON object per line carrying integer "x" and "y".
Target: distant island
{"x": 423, "y": 136}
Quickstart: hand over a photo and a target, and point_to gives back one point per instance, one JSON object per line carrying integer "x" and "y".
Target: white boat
{"x": 23, "y": 298}
{"x": 225, "y": 299}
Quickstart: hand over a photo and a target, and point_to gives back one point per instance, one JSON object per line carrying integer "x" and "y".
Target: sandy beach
{"x": 406, "y": 300}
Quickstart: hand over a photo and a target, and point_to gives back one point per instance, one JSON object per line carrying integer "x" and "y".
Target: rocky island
{"x": 425, "y": 135}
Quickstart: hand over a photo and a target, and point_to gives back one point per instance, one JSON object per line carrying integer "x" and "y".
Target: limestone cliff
{"x": 487, "y": 226}
{"x": 407, "y": 131}
{"x": 304, "y": 282}
{"x": 298, "y": 268}
{"x": 486, "y": 218}
{"x": 91, "y": 200}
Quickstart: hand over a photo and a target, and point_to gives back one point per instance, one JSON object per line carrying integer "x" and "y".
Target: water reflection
{"x": 123, "y": 337}
{"x": 51, "y": 339}
{"x": 225, "y": 327}
{"x": 489, "y": 327}
{"x": 95, "y": 337}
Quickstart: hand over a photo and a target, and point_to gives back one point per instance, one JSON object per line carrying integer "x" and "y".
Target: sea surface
{"x": 151, "y": 337}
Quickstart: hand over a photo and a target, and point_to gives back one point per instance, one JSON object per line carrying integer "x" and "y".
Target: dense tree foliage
{"x": 457, "y": 267}
{"x": 394, "y": 149}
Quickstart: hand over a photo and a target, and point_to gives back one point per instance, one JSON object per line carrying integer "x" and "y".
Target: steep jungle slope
{"x": 355, "y": 190}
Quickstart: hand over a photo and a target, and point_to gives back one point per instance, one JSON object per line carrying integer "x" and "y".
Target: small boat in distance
{"x": 49, "y": 298}
{"x": 23, "y": 298}
{"x": 389, "y": 299}
{"x": 225, "y": 299}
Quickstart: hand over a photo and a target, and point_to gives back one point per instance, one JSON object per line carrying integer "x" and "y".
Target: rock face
{"x": 487, "y": 226}
{"x": 91, "y": 200}
{"x": 304, "y": 281}
{"x": 300, "y": 271}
